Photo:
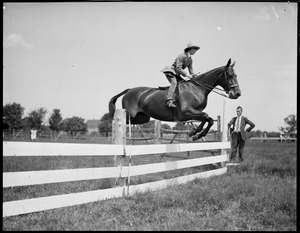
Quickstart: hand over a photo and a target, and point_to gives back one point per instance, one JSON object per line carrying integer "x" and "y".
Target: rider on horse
{"x": 176, "y": 72}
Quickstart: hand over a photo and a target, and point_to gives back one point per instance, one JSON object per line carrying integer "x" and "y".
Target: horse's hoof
{"x": 198, "y": 136}
{"x": 193, "y": 132}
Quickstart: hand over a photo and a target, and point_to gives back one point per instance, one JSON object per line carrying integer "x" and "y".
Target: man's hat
{"x": 191, "y": 45}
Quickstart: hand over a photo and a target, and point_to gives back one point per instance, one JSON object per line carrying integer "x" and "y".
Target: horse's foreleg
{"x": 198, "y": 129}
{"x": 199, "y": 116}
{"x": 205, "y": 131}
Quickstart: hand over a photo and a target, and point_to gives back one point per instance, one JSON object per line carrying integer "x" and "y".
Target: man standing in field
{"x": 237, "y": 132}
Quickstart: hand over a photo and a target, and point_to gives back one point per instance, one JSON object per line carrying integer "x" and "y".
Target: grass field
{"x": 259, "y": 194}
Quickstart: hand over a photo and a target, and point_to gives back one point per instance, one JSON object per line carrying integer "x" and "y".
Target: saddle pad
{"x": 163, "y": 88}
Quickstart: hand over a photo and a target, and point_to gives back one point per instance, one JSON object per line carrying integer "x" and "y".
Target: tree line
{"x": 13, "y": 119}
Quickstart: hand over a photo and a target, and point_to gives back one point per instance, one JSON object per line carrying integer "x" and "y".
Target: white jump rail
{"x": 263, "y": 139}
{"x": 60, "y": 149}
{"x": 11, "y": 179}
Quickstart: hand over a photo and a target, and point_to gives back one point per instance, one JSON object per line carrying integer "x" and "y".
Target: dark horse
{"x": 142, "y": 103}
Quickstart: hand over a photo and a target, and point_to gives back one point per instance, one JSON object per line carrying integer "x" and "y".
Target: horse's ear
{"x": 233, "y": 64}
{"x": 228, "y": 63}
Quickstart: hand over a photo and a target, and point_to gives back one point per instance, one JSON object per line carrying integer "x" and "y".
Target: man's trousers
{"x": 237, "y": 144}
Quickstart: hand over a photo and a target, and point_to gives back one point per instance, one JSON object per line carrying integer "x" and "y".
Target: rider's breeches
{"x": 172, "y": 88}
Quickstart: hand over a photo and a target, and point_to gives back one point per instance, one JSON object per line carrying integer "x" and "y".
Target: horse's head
{"x": 229, "y": 81}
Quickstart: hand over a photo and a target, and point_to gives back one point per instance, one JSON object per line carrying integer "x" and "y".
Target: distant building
{"x": 92, "y": 125}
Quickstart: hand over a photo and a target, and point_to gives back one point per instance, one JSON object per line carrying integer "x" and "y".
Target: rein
{"x": 209, "y": 87}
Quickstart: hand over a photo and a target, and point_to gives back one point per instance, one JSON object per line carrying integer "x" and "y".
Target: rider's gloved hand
{"x": 188, "y": 76}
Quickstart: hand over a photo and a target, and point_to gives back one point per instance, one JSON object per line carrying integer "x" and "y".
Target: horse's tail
{"x": 112, "y": 103}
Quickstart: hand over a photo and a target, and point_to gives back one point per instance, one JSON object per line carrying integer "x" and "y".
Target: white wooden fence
{"x": 12, "y": 179}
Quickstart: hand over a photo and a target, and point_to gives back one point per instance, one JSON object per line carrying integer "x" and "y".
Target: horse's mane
{"x": 208, "y": 73}
{"x": 206, "y": 78}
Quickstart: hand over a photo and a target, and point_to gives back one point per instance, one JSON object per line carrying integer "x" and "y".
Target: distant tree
{"x": 165, "y": 126}
{"x": 55, "y": 120}
{"x": 12, "y": 116}
{"x": 255, "y": 133}
{"x": 35, "y": 118}
{"x": 74, "y": 125}
{"x": 64, "y": 124}
{"x": 105, "y": 124}
{"x": 147, "y": 125}
{"x": 25, "y": 123}
{"x": 291, "y": 125}
{"x": 180, "y": 126}
{"x": 273, "y": 134}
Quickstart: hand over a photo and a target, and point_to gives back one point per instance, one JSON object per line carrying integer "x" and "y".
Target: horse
{"x": 141, "y": 103}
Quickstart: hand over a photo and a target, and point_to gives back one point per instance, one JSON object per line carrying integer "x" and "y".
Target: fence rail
{"x": 48, "y": 136}
{"x": 266, "y": 139}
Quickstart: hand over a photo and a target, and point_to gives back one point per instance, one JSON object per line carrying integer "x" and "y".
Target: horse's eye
{"x": 230, "y": 72}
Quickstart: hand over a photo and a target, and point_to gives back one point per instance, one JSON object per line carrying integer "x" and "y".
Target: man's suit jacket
{"x": 244, "y": 121}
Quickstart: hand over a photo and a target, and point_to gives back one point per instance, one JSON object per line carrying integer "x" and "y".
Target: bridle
{"x": 211, "y": 88}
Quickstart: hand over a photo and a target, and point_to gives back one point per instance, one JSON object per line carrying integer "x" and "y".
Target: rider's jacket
{"x": 182, "y": 61}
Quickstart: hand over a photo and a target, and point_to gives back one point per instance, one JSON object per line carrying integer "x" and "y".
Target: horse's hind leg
{"x": 139, "y": 118}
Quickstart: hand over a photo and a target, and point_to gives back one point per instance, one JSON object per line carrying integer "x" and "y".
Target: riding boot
{"x": 170, "y": 93}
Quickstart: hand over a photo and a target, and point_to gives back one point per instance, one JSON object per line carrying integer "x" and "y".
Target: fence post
{"x": 119, "y": 138}
{"x": 218, "y": 128}
{"x": 224, "y": 132}
{"x": 157, "y": 125}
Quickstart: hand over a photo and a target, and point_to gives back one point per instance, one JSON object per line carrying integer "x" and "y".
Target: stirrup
{"x": 170, "y": 104}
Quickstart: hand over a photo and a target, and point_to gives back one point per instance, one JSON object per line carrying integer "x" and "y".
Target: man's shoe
{"x": 170, "y": 104}
{"x": 231, "y": 161}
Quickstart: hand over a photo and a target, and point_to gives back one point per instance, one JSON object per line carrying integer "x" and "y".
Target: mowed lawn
{"x": 259, "y": 194}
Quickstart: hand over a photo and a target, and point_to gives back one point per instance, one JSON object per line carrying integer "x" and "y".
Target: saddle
{"x": 163, "y": 88}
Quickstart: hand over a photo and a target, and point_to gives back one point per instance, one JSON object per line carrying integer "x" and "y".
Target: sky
{"x": 76, "y": 56}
